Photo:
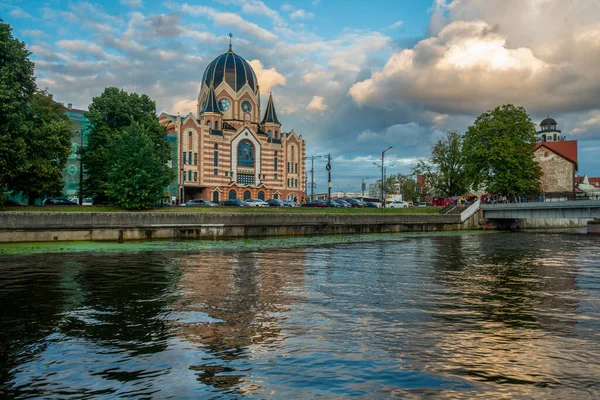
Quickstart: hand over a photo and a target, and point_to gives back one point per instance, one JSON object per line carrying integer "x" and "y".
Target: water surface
{"x": 462, "y": 315}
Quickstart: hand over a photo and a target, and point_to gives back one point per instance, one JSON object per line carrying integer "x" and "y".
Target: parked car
{"x": 291, "y": 203}
{"x": 276, "y": 203}
{"x": 57, "y": 201}
{"x": 317, "y": 203}
{"x": 86, "y": 201}
{"x": 343, "y": 203}
{"x": 200, "y": 203}
{"x": 235, "y": 203}
{"x": 256, "y": 203}
{"x": 333, "y": 204}
{"x": 398, "y": 204}
{"x": 164, "y": 204}
{"x": 12, "y": 203}
{"x": 371, "y": 205}
{"x": 356, "y": 203}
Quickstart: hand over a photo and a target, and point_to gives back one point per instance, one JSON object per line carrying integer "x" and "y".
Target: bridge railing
{"x": 472, "y": 209}
{"x": 541, "y": 197}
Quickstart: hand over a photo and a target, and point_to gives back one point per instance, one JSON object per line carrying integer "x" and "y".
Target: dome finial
{"x": 230, "y": 36}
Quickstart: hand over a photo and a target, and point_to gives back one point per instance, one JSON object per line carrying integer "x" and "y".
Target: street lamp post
{"x": 81, "y": 167}
{"x": 182, "y": 186}
{"x": 382, "y": 176}
{"x": 312, "y": 175}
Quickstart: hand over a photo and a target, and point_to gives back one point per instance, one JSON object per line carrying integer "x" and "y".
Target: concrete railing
{"x": 468, "y": 213}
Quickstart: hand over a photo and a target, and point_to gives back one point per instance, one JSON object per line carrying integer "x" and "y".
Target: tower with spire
{"x": 270, "y": 123}
{"x": 548, "y": 131}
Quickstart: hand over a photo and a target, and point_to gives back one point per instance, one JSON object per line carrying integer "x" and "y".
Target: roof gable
{"x": 567, "y": 149}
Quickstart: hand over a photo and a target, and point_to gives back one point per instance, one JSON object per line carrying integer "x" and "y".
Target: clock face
{"x": 246, "y": 106}
{"x": 224, "y": 104}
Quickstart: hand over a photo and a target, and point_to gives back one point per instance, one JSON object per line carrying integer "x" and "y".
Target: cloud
{"x": 301, "y": 14}
{"x": 131, "y": 3}
{"x": 396, "y": 25}
{"x": 267, "y": 78}
{"x": 469, "y": 67}
{"x": 19, "y": 13}
{"x": 317, "y": 104}
{"x": 34, "y": 33}
{"x": 230, "y": 19}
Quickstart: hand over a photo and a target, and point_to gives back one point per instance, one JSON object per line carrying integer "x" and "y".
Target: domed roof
{"x": 548, "y": 121}
{"x": 231, "y": 68}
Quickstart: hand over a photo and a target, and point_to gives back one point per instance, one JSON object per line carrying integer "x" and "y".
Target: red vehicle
{"x": 317, "y": 203}
{"x": 441, "y": 201}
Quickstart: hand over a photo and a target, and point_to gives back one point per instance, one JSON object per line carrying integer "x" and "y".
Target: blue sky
{"x": 354, "y": 77}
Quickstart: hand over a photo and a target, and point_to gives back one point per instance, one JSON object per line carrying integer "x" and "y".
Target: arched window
{"x": 245, "y": 154}
{"x": 208, "y": 124}
{"x": 276, "y": 196}
{"x": 261, "y": 195}
{"x": 232, "y": 195}
{"x": 269, "y": 134}
{"x": 215, "y": 197}
{"x": 217, "y": 125}
{"x": 293, "y": 154}
{"x": 246, "y": 195}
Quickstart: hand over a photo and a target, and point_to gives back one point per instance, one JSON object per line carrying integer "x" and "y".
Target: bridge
{"x": 536, "y": 215}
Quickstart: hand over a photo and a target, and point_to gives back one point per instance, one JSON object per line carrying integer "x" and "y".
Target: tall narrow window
{"x": 288, "y": 167}
{"x": 184, "y": 175}
{"x": 275, "y": 160}
{"x": 183, "y": 157}
{"x": 189, "y": 175}
{"x": 195, "y": 177}
{"x": 195, "y": 158}
{"x": 190, "y": 158}
{"x": 190, "y": 139}
{"x": 216, "y": 156}
{"x": 217, "y": 125}
{"x": 208, "y": 124}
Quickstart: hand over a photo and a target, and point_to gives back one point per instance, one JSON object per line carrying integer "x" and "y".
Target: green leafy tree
{"x": 109, "y": 114}
{"x": 47, "y": 135}
{"x": 449, "y": 161}
{"x": 498, "y": 150}
{"x": 136, "y": 176}
{"x": 402, "y": 184}
{"x": 428, "y": 170}
{"x": 17, "y": 85}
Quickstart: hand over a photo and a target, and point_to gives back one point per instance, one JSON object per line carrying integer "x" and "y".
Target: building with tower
{"x": 227, "y": 151}
{"x": 557, "y": 157}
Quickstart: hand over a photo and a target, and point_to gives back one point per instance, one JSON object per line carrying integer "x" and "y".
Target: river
{"x": 501, "y": 315}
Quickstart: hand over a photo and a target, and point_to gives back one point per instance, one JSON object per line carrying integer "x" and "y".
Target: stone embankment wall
{"x": 44, "y": 227}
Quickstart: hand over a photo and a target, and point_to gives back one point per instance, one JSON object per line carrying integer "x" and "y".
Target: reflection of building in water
{"x": 247, "y": 294}
{"x": 507, "y": 313}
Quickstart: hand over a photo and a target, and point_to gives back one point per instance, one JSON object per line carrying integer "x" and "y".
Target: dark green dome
{"x": 231, "y": 68}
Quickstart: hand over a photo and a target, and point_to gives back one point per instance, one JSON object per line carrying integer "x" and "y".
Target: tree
{"x": 136, "y": 176}
{"x": 109, "y": 114}
{"x": 402, "y": 184}
{"x": 428, "y": 170}
{"x": 17, "y": 85}
{"x": 498, "y": 150}
{"x": 47, "y": 135}
{"x": 448, "y": 158}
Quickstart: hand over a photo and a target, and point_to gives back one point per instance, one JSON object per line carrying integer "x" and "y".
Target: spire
{"x": 230, "y": 36}
{"x": 211, "y": 104}
{"x": 270, "y": 114}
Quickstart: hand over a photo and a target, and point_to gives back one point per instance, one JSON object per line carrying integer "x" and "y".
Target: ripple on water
{"x": 427, "y": 316}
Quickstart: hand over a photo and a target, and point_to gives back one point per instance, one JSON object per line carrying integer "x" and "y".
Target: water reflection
{"x": 245, "y": 296}
{"x": 462, "y": 316}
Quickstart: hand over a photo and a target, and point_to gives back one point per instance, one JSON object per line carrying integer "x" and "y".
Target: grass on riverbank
{"x": 250, "y": 210}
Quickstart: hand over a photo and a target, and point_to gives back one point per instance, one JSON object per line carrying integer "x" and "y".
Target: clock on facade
{"x": 224, "y": 104}
{"x": 246, "y": 106}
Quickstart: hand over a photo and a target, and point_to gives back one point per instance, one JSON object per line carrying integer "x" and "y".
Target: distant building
{"x": 557, "y": 157}
{"x": 589, "y": 186}
{"x": 375, "y": 189}
{"x": 79, "y": 130}
{"x": 226, "y": 151}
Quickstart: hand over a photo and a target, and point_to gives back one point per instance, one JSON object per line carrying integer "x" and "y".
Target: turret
{"x": 270, "y": 123}
{"x": 211, "y": 114}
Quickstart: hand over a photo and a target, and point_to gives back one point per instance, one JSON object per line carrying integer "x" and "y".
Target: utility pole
{"x": 312, "y": 176}
{"x": 329, "y": 177}
{"x": 382, "y": 176}
{"x": 362, "y": 186}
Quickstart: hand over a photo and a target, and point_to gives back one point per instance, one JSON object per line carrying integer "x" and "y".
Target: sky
{"x": 353, "y": 77}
